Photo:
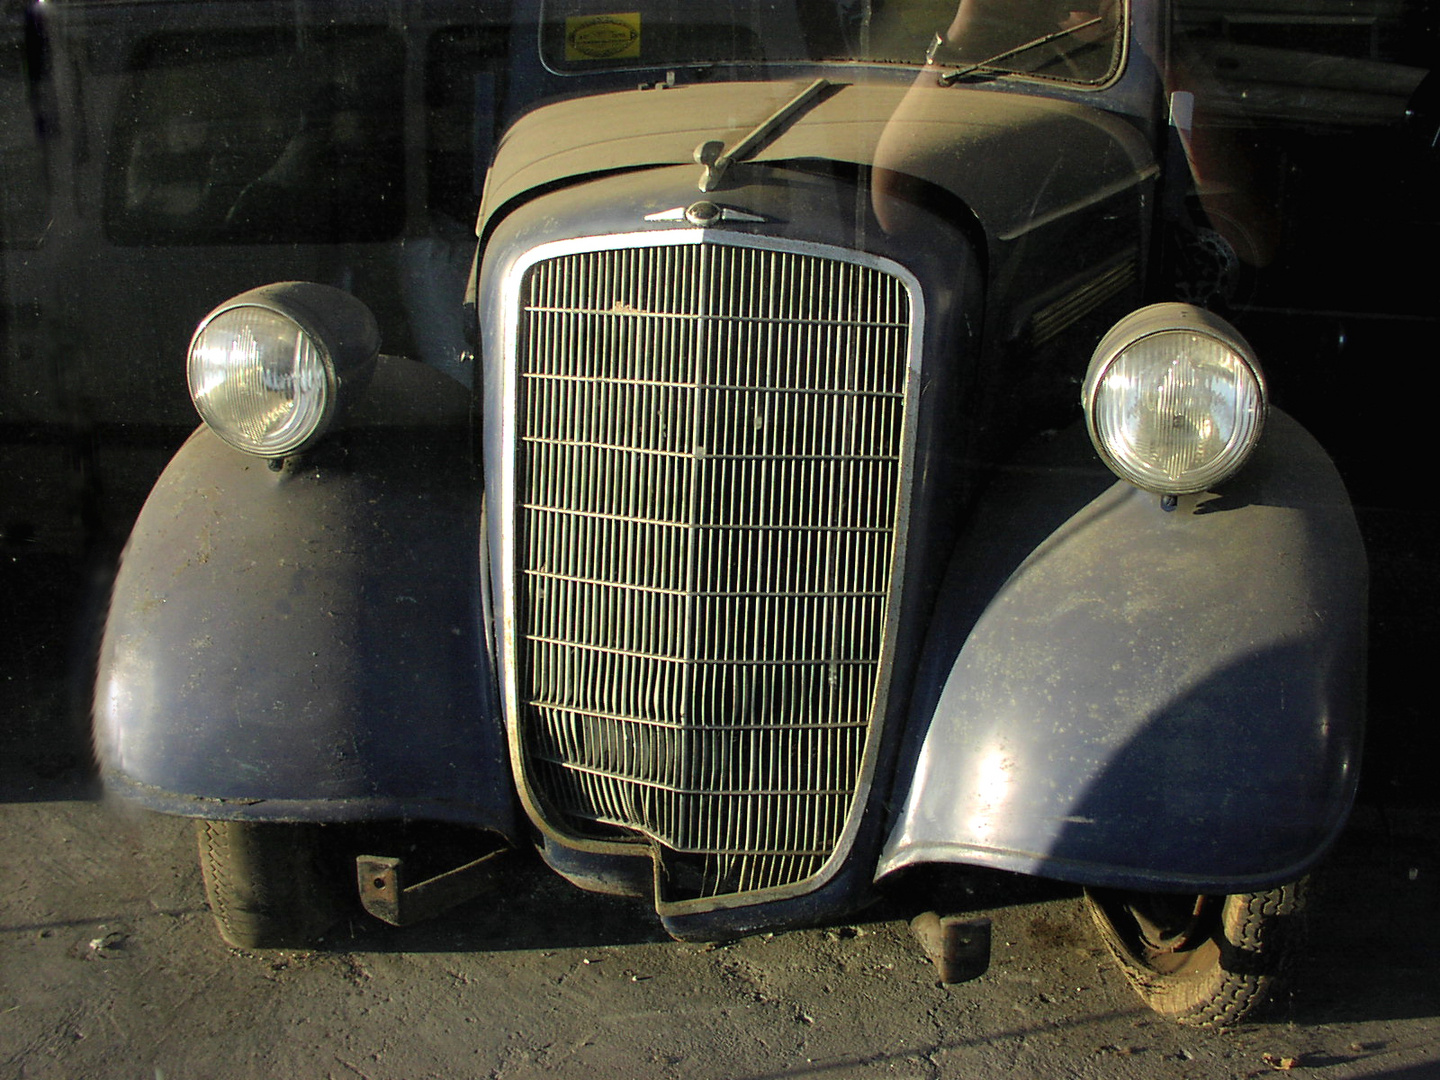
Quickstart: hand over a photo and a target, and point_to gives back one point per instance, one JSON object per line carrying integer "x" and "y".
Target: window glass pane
{"x": 260, "y": 136}
{"x": 589, "y": 35}
{"x": 1323, "y": 62}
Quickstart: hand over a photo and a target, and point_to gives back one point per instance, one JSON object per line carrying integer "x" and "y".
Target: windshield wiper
{"x": 715, "y": 159}
{"x": 987, "y": 66}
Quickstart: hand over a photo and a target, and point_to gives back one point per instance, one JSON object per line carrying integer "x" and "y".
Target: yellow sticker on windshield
{"x": 602, "y": 37}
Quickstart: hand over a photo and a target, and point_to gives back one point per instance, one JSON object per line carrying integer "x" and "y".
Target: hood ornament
{"x": 704, "y": 214}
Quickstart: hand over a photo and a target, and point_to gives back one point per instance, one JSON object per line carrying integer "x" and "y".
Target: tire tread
{"x": 1237, "y": 972}
{"x": 264, "y": 884}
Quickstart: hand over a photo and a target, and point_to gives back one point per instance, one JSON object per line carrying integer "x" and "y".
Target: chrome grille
{"x": 708, "y": 475}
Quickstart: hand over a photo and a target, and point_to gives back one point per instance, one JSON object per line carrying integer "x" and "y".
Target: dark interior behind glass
{"x": 260, "y": 136}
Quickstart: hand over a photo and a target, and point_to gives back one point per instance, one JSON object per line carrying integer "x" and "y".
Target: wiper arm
{"x": 716, "y": 159}
{"x": 988, "y": 65}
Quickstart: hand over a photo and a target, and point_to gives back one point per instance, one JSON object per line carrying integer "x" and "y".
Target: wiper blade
{"x": 987, "y": 66}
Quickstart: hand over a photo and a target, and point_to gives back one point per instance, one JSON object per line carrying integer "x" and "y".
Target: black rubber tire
{"x": 267, "y": 883}
{"x": 1226, "y": 963}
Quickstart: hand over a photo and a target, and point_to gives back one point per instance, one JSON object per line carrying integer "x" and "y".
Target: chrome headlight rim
{"x": 335, "y": 341}
{"x": 1147, "y": 326}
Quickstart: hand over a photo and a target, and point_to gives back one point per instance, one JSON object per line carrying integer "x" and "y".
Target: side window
{"x": 1298, "y": 107}
{"x": 260, "y": 136}
{"x": 1322, "y": 62}
{"x": 1313, "y": 166}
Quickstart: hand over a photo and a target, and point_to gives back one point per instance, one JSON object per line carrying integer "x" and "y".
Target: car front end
{"x": 768, "y": 555}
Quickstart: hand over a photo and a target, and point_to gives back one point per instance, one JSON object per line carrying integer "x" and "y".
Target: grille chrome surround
{"x": 700, "y": 585}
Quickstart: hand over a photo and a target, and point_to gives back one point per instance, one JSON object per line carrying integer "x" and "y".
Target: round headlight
{"x": 1174, "y": 399}
{"x": 267, "y": 369}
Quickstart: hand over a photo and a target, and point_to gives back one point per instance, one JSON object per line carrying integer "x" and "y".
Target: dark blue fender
{"x": 1169, "y": 701}
{"x": 308, "y": 643}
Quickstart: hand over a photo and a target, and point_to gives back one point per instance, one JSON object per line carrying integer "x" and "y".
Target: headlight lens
{"x": 266, "y": 370}
{"x": 1175, "y": 399}
{"x": 259, "y": 381}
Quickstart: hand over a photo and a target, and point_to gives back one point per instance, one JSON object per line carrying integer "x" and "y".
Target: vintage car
{"x": 847, "y": 479}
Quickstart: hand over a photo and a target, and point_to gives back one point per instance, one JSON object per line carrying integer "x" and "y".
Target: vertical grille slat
{"x": 708, "y": 476}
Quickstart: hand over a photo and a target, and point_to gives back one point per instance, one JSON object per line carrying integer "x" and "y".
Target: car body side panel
{"x": 307, "y": 642}
{"x": 1151, "y": 699}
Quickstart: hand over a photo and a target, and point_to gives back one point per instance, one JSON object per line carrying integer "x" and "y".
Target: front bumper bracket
{"x": 385, "y": 895}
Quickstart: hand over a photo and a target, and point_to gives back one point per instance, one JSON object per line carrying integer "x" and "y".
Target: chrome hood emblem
{"x": 704, "y": 213}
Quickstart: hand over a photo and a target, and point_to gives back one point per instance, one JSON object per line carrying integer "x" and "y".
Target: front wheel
{"x": 267, "y": 883}
{"x": 1205, "y": 960}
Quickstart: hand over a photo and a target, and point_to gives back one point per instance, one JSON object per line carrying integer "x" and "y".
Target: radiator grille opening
{"x": 708, "y": 476}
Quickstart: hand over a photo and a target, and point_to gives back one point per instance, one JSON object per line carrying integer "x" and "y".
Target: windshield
{"x": 1071, "y": 40}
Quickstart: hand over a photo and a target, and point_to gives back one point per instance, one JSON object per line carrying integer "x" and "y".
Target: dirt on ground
{"x": 110, "y": 966}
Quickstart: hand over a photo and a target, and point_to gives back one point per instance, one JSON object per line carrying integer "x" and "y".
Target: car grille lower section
{"x": 709, "y": 470}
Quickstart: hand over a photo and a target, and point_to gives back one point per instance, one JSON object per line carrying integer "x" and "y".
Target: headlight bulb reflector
{"x": 272, "y": 369}
{"x": 259, "y": 380}
{"x": 1175, "y": 405}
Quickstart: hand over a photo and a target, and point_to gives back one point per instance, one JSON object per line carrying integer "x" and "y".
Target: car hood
{"x": 1017, "y": 160}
